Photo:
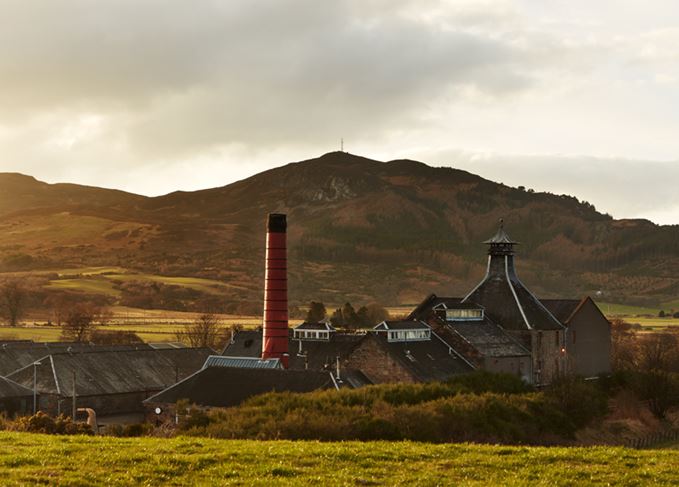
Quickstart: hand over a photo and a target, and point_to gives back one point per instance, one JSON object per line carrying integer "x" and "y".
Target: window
{"x": 464, "y": 314}
{"x": 408, "y": 335}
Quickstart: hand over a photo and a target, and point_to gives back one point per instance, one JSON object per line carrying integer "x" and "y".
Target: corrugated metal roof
{"x": 242, "y": 362}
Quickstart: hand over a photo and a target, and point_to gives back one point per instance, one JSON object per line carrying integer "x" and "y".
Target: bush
{"x": 436, "y": 412}
{"x": 43, "y": 423}
{"x": 580, "y": 401}
{"x": 483, "y": 381}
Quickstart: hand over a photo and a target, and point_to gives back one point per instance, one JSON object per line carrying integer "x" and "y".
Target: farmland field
{"x": 76, "y": 460}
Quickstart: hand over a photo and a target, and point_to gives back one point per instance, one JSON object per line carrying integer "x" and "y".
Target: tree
{"x": 624, "y": 345}
{"x": 59, "y": 306}
{"x": 12, "y": 300}
{"x": 203, "y": 332}
{"x": 656, "y": 361}
{"x": 375, "y": 313}
{"x": 661, "y": 314}
{"x": 114, "y": 337}
{"x": 80, "y": 321}
{"x": 316, "y": 312}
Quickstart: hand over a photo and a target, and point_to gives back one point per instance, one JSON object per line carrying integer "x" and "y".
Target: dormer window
{"x": 469, "y": 314}
{"x": 404, "y": 331}
{"x": 313, "y": 331}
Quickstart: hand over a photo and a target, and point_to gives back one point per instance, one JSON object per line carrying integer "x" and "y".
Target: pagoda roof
{"x": 501, "y": 236}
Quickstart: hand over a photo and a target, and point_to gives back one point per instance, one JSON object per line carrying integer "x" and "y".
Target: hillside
{"x": 77, "y": 460}
{"x": 359, "y": 230}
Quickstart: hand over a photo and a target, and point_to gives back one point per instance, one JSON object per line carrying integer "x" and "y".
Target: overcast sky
{"x": 569, "y": 96}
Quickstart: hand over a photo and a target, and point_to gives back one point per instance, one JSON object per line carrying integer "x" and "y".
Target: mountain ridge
{"x": 360, "y": 229}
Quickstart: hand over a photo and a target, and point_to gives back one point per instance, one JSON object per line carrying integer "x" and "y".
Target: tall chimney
{"x": 275, "y": 333}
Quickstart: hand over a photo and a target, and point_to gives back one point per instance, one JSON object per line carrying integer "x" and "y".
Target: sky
{"x": 568, "y": 96}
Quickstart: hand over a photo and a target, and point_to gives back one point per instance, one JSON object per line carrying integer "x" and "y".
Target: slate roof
{"x": 321, "y": 326}
{"x": 421, "y": 312}
{"x": 504, "y": 297}
{"x": 402, "y": 325}
{"x": 320, "y": 354}
{"x": 15, "y": 355}
{"x": 112, "y": 372}
{"x": 428, "y": 360}
{"x": 431, "y": 359}
{"x": 10, "y": 389}
{"x": 244, "y": 343}
{"x": 500, "y": 237}
{"x": 487, "y": 338}
{"x": 562, "y": 309}
{"x": 225, "y": 387}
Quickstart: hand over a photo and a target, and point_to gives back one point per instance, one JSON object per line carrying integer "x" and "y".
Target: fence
{"x": 654, "y": 439}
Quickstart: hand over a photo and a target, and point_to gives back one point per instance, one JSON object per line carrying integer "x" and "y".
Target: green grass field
{"x": 76, "y": 460}
{"x": 92, "y": 286}
{"x": 614, "y": 309}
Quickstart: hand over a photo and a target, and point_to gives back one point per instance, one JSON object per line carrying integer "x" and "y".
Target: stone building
{"x": 394, "y": 351}
{"x": 588, "y": 335}
{"x": 469, "y": 330}
{"x": 501, "y": 326}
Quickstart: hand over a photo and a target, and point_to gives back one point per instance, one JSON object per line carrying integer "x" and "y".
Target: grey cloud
{"x": 178, "y": 77}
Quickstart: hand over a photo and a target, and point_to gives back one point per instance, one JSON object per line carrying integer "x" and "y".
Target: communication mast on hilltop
{"x": 342, "y": 144}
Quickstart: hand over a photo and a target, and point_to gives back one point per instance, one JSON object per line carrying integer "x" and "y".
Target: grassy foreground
{"x": 76, "y": 460}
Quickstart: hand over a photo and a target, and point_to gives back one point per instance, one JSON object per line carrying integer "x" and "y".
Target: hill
{"x": 360, "y": 230}
{"x": 77, "y": 460}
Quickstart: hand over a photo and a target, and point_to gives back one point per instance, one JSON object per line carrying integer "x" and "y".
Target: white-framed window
{"x": 464, "y": 314}
{"x": 408, "y": 335}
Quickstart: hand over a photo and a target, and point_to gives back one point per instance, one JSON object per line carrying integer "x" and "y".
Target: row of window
{"x": 408, "y": 335}
{"x": 464, "y": 314}
{"x": 312, "y": 334}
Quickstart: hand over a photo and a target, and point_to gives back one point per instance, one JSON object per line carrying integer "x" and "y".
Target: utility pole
{"x": 35, "y": 387}
{"x": 73, "y": 410}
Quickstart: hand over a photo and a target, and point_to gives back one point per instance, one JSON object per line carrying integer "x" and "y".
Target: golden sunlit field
{"x": 162, "y": 325}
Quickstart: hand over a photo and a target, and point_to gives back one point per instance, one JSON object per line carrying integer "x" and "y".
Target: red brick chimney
{"x": 275, "y": 333}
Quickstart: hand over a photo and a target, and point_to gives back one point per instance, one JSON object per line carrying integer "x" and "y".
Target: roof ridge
{"x": 516, "y": 298}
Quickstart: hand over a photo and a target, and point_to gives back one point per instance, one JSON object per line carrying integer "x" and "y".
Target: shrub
{"x": 483, "y": 381}
{"x": 579, "y": 401}
{"x": 43, "y": 423}
{"x": 421, "y": 412}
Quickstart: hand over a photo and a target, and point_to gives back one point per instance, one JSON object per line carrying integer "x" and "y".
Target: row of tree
{"x": 347, "y": 316}
{"x": 649, "y": 363}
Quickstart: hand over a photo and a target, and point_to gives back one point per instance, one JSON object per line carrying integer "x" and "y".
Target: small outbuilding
{"x": 111, "y": 383}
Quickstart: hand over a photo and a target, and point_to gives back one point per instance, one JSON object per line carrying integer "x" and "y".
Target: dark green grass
{"x": 58, "y": 460}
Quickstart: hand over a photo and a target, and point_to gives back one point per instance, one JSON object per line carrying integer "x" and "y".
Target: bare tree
{"x": 12, "y": 301}
{"x": 80, "y": 321}
{"x": 624, "y": 345}
{"x": 203, "y": 332}
{"x": 657, "y": 359}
